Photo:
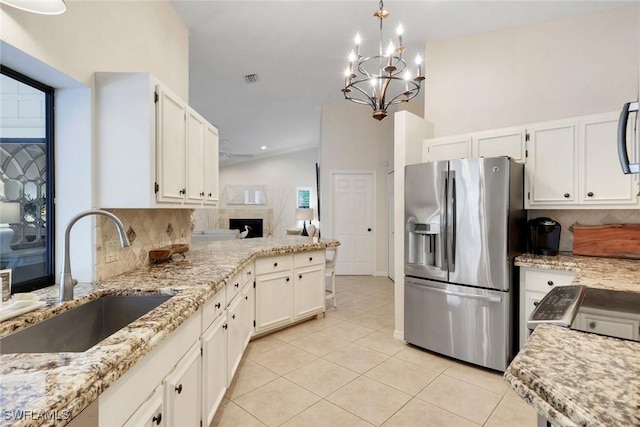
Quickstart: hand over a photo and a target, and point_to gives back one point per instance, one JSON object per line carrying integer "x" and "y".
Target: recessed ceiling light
{"x": 264, "y": 147}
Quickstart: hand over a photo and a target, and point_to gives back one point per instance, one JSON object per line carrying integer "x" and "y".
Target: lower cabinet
{"x": 214, "y": 367}
{"x": 182, "y": 391}
{"x": 150, "y": 413}
{"x": 288, "y": 288}
{"x": 234, "y": 340}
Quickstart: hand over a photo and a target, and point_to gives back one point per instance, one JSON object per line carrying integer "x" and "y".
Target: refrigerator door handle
{"x": 461, "y": 294}
{"x": 622, "y": 139}
{"x": 442, "y": 242}
{"x": 452, "y": 209}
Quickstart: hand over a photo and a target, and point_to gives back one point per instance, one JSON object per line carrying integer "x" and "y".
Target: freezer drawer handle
{"x": 460, "y": 294}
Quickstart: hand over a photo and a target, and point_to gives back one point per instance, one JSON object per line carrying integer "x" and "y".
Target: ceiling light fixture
{"x": 42, "y": 7}
{"x": 384, "y": 79}
{"x": 264, "y": 147}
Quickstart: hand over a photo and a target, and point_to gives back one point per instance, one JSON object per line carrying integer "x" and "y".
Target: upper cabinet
{"x": 153, "y": 150}
{"x": 573, "y": 164}
{"x": 494, "y": 143}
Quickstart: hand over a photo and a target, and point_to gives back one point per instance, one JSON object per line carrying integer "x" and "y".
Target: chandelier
{"x": 384, "y": 79}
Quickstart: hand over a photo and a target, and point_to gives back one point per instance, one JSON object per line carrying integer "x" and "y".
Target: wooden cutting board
{"x": 612, "y": 240}
{"x": 166, "y": 252}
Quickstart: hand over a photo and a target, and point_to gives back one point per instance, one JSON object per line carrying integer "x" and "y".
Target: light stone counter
{"x": 574, "y": 378}
{"x": 51, "y": 389}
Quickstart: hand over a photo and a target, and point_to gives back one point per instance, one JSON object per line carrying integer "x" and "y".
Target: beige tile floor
{"x": 346, "y": 369}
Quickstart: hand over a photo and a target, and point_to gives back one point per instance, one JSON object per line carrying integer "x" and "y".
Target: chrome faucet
{"x": 66, "y": 280}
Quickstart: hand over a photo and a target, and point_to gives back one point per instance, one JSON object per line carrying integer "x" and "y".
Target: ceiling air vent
{"x": 251, "y": 78}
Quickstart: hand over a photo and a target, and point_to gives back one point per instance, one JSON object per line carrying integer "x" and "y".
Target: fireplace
{"x": 254, "y": 224}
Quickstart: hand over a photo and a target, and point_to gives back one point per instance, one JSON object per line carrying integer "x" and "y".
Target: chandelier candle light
{"x": 384, "y": 79}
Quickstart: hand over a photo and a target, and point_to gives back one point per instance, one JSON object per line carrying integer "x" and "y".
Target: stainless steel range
{"x": 599, "y": 311}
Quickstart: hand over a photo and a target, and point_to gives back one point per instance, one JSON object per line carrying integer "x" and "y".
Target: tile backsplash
{"x": 568, "y": 218}
{"x": 147, "y": 229}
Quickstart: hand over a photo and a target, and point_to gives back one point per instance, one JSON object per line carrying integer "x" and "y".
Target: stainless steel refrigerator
{"x": 464, "y": 221}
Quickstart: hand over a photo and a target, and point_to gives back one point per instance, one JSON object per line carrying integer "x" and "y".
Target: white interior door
{"x": 353, "y": 219}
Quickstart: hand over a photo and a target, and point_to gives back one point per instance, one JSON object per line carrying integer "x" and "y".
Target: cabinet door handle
{"x": 246, "y": 297}
{"x": 233, "y": 316}
{"x": 550, "y": 283}
{"x": 299, "y": 276}
{"x": 236, "y": 285}
{"x": 275, "y": 264}
{"x": 287, "y": 279}
{"x": 535, "y": 303}
{"x": 209, "y": 195}
{"x": 218, "y": 305}
{"x": 368, "y": 229}
{"x": 248, "y": 273}
{"x": 202, "y": 194}
{"x": 157, "y": 419}
{"x": 310, "y": 258}
{"x": 592, "y": 325}
{"x": 179, "y": 388}
{"x": 183, "y": 191}
{"x": 590, "y": 194}
{"x": 567, "y": 195}
{"x": 224, "y": 326}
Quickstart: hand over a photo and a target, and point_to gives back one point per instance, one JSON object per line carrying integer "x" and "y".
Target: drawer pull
{"x": 299, "y": 276}
{"x": 310, "y": 258}
{"x": 287, "y": 279}
{"x": 225, "y": 326}
{"x": 233, "y": 316}
{"x": 592, "y": 325}
{"x": 179, "y": 388}
{"x": 157, "y": 419}
{"x": 535, "y": 304}
{"x": 275, "y": 264}
{"x": 248, "y": 273}
{"x": 590, "y": 194}
{"x": 567, "y": 195}
{"x": 246, "y": 297}
{"x": 236, "y": 285}
{"x": 218, "y": 305}
{"x": 550, "y": 283}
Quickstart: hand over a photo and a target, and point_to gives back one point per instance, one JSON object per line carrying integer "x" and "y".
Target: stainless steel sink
{"x": 82, "y": 327}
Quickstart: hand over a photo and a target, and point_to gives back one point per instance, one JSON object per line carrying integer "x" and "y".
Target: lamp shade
{"x": 9, "y": 212}
{"x": 43, "y": 7}
{"x": 304, "y": 214}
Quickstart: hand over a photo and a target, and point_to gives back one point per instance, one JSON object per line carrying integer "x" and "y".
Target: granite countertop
{"x": 574, "y": 378}
{"x": 61, "y": 385}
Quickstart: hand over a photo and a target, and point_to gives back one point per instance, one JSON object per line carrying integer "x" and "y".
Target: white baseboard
{"x": 399, "y": 335}
{"x": 381, "y": 274}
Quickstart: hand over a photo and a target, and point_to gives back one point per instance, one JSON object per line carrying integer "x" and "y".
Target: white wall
{"x": 551, "y": 70}
{"x": 351, "y": 140}
{"x": 281, "y": 175}
{"x": 105, "y": 36}
{"x": 64, "y": 51}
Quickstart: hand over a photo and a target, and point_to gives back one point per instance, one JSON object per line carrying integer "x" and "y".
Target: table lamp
{"x": 9, "y": 213}
{"x": 304, "y": 214}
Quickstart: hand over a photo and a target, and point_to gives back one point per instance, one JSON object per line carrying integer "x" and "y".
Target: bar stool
{"x": 330, "y": 271}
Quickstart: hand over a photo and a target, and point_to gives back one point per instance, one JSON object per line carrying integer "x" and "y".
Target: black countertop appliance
{"x": 544, "y": 236}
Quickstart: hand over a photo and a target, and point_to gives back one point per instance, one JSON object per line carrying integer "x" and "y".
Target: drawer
{"x": 233, "y": 287}
{"x": 305, "y": 259}
{"x": 247, "y": 273}
{"x": 274, "y": 264}
{"x": 213, "y": 308}
{"x": 541, "y": 280}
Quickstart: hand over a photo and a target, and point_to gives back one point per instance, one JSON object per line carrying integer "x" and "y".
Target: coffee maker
{"x": 544, "y": 236}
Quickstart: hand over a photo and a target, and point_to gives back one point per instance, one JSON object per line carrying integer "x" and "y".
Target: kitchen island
{"x": 52, "y": 388}
{"x": 574, "y": 378}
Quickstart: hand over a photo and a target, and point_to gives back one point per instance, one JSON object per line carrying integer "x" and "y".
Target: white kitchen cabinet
{"x": 171, "y": 155}
{"x": 150, "y": 413}
{"x": 574, "y": 164}
{"x": 288, "y": 288}
{"x": 142, "y": 132}
{"x": 214, "y": 367}
{"x": 211, "y": 165}
{"x": 248, "y": 313}
{"x": 195, "y": 156}
{"x": 274, "y": 300}
{"x": 501, "y": 142}
{"x": 601, "y": 179}
{"x": 182, "y": 393}
{"x": 535, "y": 283}
{"x": 551, "y": 170}
{"x": 622, "y": 325}
{"x": 234, "y": 337}
{"x": 446, "y": 148}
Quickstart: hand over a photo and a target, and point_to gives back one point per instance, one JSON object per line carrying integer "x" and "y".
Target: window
{"x": 26, "y": 181}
